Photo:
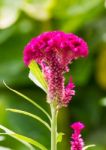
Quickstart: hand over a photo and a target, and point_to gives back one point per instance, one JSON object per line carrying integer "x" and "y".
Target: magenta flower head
{"x": 77, "y": 142}
{"x": 54, "y": 51}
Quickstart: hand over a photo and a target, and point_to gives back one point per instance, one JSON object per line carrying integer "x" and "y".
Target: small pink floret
{"x": 77, "y": 142}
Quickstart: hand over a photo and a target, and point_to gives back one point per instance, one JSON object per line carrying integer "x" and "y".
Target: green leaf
{"x": 103, "y": 101}
{"x": 9, "y": 12}
{"x": 13, "y": 134}
{"x": 43, "y": 7}
{"x": 25, "y": 140}
{"x": 29, "y": 100}
{"x": 105, "y": 4}
{"x": 59, "y": 137}
{"x": 31, "y": 141}
{"x": 2, "y": 138}
{"x": 36, "y": 76}
{"x": 4, "y": 148}
{"x": 88, "y": 146}
{"x": 30, "y": 115}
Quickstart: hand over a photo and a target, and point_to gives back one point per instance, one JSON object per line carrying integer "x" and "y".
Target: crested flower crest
{"x": 54, "y": 51}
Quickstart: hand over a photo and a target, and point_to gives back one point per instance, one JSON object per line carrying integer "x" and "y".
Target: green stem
{"x": 54, "y": 113}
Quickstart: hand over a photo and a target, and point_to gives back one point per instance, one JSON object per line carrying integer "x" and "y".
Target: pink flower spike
{"x": 77, "y": 142}
{"x": 54, "y": 51}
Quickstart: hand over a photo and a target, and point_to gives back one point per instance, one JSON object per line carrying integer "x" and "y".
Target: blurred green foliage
{"x": 23, "y": 19}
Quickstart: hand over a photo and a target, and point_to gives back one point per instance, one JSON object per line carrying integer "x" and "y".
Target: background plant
{"x": 83, "y": 18}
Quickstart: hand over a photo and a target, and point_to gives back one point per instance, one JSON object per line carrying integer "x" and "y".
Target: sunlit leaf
{"x": 59, "y": 137}
{"x": 9, "y": 12}
{"x": 103, "y": 101}
{"x": 36, "y": 76}
{"x": 29, "y": 100}
{"x": 30, "y": 115}
{"x": 12, "y": 134}
{"x": 4, "y": 148}
{"x": 2, "y": 108}
{"x": 88, "y": 146}
{"x": 2, "y": 138}
{"x": 7, "y": 17}
{"x": 105, "y": 4}
{"x": 25, "y": 140}
{"x": 33, "y": 78}
{"x": 43, "y": 7}
{"x": 31, "y": 141}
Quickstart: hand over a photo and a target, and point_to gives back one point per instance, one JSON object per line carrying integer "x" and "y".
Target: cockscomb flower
{"x": 77, "y": 142}
{"x": 54, "y": 51}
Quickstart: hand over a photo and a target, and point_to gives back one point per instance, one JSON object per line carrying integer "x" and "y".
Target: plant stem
{"x": 54, "y": 113}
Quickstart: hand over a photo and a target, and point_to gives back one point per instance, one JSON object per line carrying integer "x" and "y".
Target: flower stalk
{"x": 54, "y": 51}
{"x": 54, "y": 114}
